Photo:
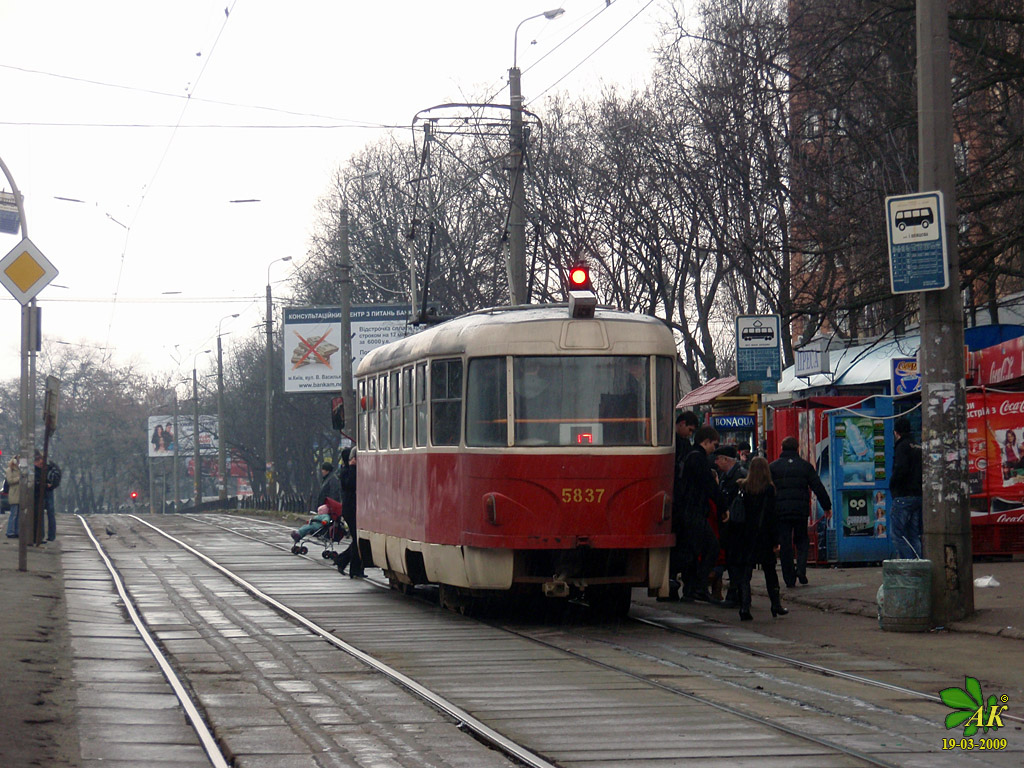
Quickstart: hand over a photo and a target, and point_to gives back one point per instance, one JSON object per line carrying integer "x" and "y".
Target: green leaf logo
{"x": 971, "y": 709}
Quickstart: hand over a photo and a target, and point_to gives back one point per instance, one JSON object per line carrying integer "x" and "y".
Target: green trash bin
{"x": 906, "y": 595}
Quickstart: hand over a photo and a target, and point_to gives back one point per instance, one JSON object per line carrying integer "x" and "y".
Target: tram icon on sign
{"x": 914, "y": 217}
{"x": 757, "y": 332}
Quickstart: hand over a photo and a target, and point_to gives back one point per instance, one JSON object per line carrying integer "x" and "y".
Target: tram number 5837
{"x": 582, "y": 495}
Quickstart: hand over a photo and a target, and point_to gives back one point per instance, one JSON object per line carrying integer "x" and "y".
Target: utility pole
{"x": 269, "y": 436}
{"x": 197, "y": 468}
{"x": 269, "y": 427}
{"x": 221, "y": 442}
{"x": 946, "y": 515}
{"x": 29, "y": 333}
{"x": 174, "y": 458}
{"x": 348, "y": 393}
{"x": 517, "y": 214}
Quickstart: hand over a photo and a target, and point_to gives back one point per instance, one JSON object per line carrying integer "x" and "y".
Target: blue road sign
{"x": 918, "y": 258}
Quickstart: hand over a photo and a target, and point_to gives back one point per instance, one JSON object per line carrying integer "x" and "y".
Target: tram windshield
{"x": 580, "y": 401}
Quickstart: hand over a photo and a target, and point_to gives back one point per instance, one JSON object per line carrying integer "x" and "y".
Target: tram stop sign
{"x": 25, "y": 271}
{"x": 918, "y": 258}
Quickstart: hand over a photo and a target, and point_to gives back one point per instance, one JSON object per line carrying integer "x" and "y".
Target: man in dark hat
{"x": 330, "y": 488}
{"x": 730, "y": 471}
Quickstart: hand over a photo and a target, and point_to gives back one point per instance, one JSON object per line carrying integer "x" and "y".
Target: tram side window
{"x": 383, "y": 409}
{"x": 396, "y": 412}
{"x": 664, "y": 384}
{"x": 445, "y": 401}
{"x": 421, "y": 404}
{"x": 361, "y": 420}
{"x": 371, "y": 408}
{"x": 408, "y": 413}
{"x": 486, "y": 405}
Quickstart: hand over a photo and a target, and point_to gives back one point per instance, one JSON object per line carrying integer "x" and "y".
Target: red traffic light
{"x": 134, "y": 495}
{"x": 579, "y": 278}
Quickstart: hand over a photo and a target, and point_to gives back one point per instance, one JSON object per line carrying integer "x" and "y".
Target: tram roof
{"x": 521, "y": 330}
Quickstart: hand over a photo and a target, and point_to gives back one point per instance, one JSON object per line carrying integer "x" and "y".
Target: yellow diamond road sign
{"x": 25, "y": 271}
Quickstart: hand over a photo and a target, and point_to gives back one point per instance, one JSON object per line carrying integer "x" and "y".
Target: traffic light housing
{"x": 338, "y": 413}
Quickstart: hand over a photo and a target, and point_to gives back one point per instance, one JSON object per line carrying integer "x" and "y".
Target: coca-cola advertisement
{"x": 995, "y": 452}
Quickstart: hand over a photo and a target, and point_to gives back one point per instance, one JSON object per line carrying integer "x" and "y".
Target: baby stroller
{"x": 326, "y": 529}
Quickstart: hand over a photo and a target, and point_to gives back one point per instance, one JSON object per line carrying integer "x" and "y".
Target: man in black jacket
{"x": 906, "y": 488}
{"x": 350, "y": 557}
{"x": 330, "y": 486}
{"x": 794, "y": 479}
{"x": 699, "y": 497}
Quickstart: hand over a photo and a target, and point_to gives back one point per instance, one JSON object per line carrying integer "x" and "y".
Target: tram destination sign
{"x": 918, "y": 257}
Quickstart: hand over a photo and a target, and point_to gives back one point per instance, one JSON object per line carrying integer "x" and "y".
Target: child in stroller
{"x": 326, "y": 528}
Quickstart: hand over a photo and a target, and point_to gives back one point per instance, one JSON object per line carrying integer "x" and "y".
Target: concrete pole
{"x": 517, "y": 214}
{"x": 947, "y": 517}
{"x": 177, "y": 435}
{"x": 269, "y": 435}
{"x": 222, "y": 460}
{"x": 348, "y": 393}
{"x": 197, "y": 469}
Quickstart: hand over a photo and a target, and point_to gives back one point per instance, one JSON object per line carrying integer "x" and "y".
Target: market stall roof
{"x": 862, "y": 364}
{"x": 705, "y": 393}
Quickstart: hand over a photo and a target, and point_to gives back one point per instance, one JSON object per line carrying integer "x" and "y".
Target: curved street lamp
{"x": 517, "y": 215}
{"x": 269, "y": 437}
{"x": 348, "y": 394}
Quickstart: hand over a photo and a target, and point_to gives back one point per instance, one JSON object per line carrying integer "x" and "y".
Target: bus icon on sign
{"x": 915, "y": 217}
{"x": 758, "y": 332}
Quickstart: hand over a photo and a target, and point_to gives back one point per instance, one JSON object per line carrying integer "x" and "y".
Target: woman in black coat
{"x": 757, "y": 536}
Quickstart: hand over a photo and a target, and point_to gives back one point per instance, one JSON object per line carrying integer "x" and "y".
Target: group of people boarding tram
{"x": 732, "y": 512}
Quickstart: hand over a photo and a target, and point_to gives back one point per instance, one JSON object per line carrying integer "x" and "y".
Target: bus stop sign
{"x": 918, "y": 259}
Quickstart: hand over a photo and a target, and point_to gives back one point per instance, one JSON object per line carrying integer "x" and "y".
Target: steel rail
{"x": 462, "y": 717}
{"x": 195, "y": 719}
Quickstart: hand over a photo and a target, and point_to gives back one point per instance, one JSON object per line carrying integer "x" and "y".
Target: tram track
{"x": 542, "y": 637}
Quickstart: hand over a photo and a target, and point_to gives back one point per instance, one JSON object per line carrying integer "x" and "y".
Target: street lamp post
{"x": 269, "y": 448}
{"x": 348, "y": 393}
{"x": 221, "y": 443}
{"x": 29, "y": 331}
{"x": 197, "y": 468}
{"x": 517, "y": 214}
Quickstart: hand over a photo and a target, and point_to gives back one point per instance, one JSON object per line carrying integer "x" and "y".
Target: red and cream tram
{"x": 521, "y": 449}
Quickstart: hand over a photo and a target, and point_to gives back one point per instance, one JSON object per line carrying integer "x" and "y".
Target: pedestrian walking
{"x": 756, "y": 538}
{"x": 730, "y": 472}
{"x": 686, "y": 425}
{"x": 905, "y": 485}
{"x": 12, "y": 478}
{"x": 699, "y": 498}
{"x": 794, "y": 479}
{"x": 350, "y": 557}
{"x": 330, "y": 486}
{"x": 47, "y": 479}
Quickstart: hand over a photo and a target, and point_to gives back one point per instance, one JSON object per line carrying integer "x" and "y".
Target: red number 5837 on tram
{"x": 518, "y": 450}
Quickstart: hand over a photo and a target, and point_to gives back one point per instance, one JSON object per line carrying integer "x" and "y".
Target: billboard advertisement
{"x": 375, "y": 325}
{"x": 165, "y": 437}
{"x": 312, "y": 340}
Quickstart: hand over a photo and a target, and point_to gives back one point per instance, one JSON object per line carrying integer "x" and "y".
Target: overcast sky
{"x": 136, "y": 108}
